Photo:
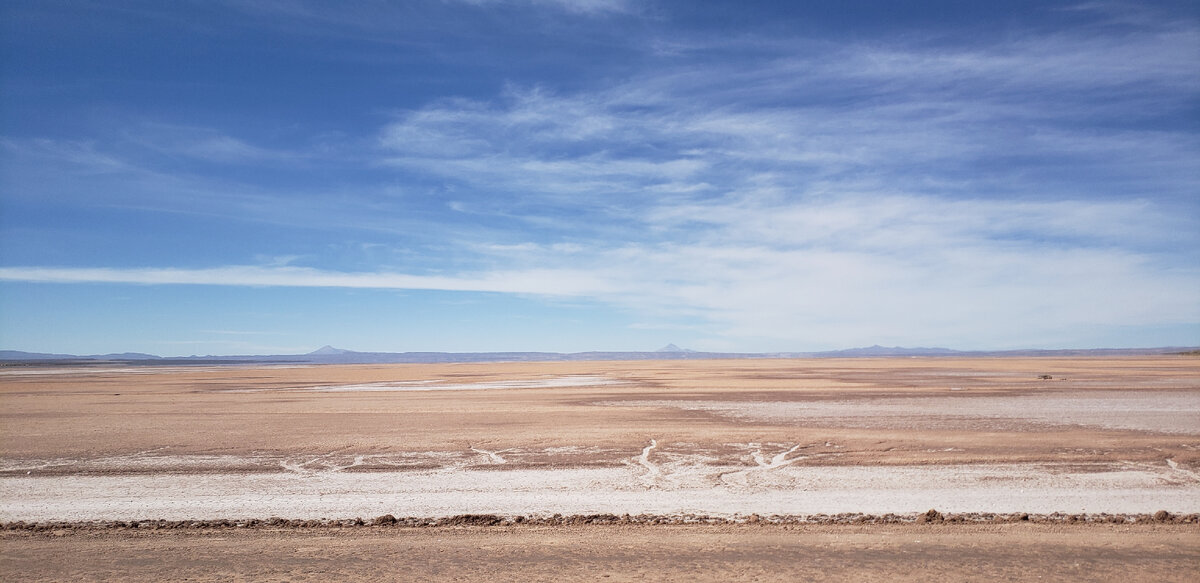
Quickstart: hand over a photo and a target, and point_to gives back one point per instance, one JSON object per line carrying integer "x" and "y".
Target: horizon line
{"x": 932, "y": 351}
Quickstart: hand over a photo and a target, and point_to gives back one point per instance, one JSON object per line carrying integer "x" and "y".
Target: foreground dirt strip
{"x": 931, "y": 516}
{"x": 618, "y": 552}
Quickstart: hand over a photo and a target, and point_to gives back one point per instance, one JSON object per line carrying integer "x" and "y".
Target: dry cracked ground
{"x": 781, "y": 441}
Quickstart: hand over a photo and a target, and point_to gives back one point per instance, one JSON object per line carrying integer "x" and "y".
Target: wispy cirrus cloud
{"x": 402, "y": 22}
{"x": 588, "y": 7}
{"x": 530, "y": 281}
{"x": 846, "y": 272}
{"x": 915, "y": 188}
{"x": 1007, "y": 118}
{"x": 790, "y": 192}
{"x": 207, "y": 145}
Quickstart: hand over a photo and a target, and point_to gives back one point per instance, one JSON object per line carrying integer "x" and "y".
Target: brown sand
{"x": 1010, "y": 552}
{"x": 87, "y": 414}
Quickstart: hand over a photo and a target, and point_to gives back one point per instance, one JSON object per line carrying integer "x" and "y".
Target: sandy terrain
{"x": 1010, "y": 552}
{"x": 725, "y": 439}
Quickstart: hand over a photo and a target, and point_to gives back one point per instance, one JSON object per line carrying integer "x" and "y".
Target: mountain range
{"x": 331, "y": 355}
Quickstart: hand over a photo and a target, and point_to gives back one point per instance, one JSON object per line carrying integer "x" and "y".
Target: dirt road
{"x": 1011, "y": 552}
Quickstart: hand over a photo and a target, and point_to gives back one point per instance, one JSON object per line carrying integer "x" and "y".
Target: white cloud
{"x": 527, "y": 281}
{"x": 587, "y": 7}
{"x": 827, "y": 196}
{"x": 380, "y": 21}
{"x": 918, "y": 119}
{"x": 80, "y": 155}
{"x": 204, "y": 144}
{"x": 852, "y": 271}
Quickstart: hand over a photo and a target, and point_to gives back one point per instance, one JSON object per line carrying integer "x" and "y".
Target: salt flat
{"x": 722, "y": 438}
{"x": 728, "y": 439}
{"x": 1143, "y": 410}
{"x": 720, "y": 491}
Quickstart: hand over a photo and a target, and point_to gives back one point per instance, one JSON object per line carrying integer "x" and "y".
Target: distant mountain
{"x": 125, "y": 356}
{"x": 328, "y": 350}
{"x": 673, "y": 348}
{"x": 19, "y": 355}
{"x": 331, "y": 355}
{"x": 881, "y": 351}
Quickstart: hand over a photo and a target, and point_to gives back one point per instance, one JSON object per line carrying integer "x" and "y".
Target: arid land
{"x": 776, "y": 469}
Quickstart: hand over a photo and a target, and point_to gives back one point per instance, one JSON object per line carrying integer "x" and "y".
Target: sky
{"x": 271, "y": 176}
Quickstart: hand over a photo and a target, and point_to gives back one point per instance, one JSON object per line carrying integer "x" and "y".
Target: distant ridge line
{"x": 331, "y": 355}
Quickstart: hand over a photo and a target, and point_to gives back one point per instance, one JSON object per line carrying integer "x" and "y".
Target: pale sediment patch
{"x": 149, "y": 369}
{"x": 160, "y": 461}
{"x": 785, "y": 489}
{"x": 778, "y": 461}
{"x": 97, "y": 370}
{"x": 440, "y": 385}
{"x": 493, "y": 456}
{"x": 1175, "y": 412}
{"x": 1178, "y": 468}
{"x": 743, "y": 477}
{"x": 149, "y": 461}
{"x": 653, "y": 473}
{"x": 322, "y": 463}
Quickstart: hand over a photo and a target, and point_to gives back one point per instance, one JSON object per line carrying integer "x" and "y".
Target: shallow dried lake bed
{"x": 724, "y": 438}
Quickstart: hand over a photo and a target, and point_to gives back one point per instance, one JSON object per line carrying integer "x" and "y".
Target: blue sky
{"x": 248, "y": 177}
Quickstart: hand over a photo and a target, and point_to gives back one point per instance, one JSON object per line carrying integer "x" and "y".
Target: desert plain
{"x": 773, "y": 469}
